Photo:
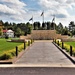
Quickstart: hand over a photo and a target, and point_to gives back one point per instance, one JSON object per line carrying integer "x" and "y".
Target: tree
{"x": 35, "y": 26}
{"x": 60, "y": 28}
{"x": 72, "y": 27}
{"x": 0, "y": 32}
{"x": 29, "y": 28}
{"x": 2, "y": 22}
{"x": 39, "y": 25}
{"x": 18, "y": 32}
{"x": 48, "y": 25}
{"x": 44, "y": 26}
{"x": 6, "y": 24}
{"x": 53, "y": 26}
{"x": 65, "y": 31}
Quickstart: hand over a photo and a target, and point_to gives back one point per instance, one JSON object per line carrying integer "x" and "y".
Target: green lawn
{"x": 70, "y": 43}
{"x": 6, "y": 46}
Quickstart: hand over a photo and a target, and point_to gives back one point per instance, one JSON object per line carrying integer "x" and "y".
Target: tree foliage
{"x": 26, "y": 28}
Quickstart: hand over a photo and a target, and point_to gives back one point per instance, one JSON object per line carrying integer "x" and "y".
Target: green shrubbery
{"x": 12, "y": 53}
{"x": 66, "y": 47}
{"x": 5, "y": 56}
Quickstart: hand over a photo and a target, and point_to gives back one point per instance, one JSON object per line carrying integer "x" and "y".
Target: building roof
{"x": 10, "y": 31}
{"x": 4, "y": 31}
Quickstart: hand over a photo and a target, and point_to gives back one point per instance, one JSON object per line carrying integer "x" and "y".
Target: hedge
{"x": 12, "y": 53}
{"x": 66, "y": 47}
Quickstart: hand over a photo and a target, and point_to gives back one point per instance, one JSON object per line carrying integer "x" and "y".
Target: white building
{"x": 10, "y": 33}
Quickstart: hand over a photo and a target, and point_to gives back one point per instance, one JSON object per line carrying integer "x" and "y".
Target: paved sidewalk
{"x": 43, "y": 52}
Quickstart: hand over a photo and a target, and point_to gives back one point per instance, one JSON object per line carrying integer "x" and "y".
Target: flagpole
{"x": 54, "y": 22}
{"x": 43, "y": 16}
{"x": 32, "y": 20}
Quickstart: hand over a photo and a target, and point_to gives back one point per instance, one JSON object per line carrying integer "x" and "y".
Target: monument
{"x": 45, "y": 35}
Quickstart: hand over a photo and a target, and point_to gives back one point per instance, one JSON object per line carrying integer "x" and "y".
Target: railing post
{"x": 55, "y": 40}
{"x": 62, "y": 45}
{"x": 58, "y": 42}
{"x": 24, "y": 45}
{"x": 70, "y": 50}
{"x": 16, "y": 51}
{"x": 28, "y": 43}
{"x": 31, "y": 41}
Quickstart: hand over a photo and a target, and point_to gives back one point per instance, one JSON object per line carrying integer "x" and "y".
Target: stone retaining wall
{"x": 25, "y": 37}
{"x": 68, "y": 40}
{"x": 44, "y": 34}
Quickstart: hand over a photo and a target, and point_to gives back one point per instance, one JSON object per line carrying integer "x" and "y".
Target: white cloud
{"x": 16, "y": 10}
{"x": 65, "y": 21}
{"x": 59, "y": 8}
{"x": 12, "y": 9}
{"x": 6, "y": 10}
{"x": 15, "y": 2}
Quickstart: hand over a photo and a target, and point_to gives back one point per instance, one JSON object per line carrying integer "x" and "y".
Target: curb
{"x": 6, "y": 62}
{"x": 72, "y": 59}
{"x": 36, "y": 65}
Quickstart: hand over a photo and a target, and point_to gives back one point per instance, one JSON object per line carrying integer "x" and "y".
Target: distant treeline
{"x": 26, "y": 28}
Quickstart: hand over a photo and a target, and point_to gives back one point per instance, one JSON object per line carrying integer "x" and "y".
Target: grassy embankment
{"x": 7, "y": 46}
{"x": 67, "y": 46}
{"x": 70, "y": 43}
{"x": 7, "y": 49}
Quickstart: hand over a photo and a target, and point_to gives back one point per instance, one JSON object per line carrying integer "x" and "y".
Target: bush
{"x": 6, "y": 37}
{"x": 66, "y": 47}
{"x": 11, "y": 53}
{"x": 5, "y": 56}
{"x": 20, "y": 47}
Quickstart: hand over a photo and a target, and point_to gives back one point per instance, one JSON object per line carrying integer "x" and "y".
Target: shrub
{"x": 11, "y": 53}
{"x": 73, "y": 49}
{"x": 20, "y": 47}
{"x": 5, "y": 56}
{"x": 66, "y": 47}
{"x": 6, "y": 37}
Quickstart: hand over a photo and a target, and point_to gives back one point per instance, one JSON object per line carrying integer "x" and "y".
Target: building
{"x": 10, "y": 33}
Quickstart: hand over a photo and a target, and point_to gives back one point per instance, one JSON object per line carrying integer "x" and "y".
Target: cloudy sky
{"x": 22, "y": 10}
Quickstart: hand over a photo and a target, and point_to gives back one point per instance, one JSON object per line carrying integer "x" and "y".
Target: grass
{"x": 8, "y": 50}
{"x": 67, "y": 46}
{"x": 70, "y": 43}
{"x": 7, "y": 46}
